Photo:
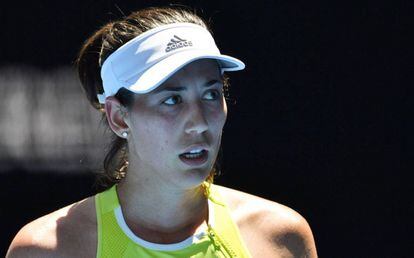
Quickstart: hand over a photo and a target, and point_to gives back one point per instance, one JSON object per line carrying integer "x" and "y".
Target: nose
{"x": 196, "y": 122}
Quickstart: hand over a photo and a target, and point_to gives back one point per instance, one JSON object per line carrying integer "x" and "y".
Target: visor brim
{"x": 162, "y": 70}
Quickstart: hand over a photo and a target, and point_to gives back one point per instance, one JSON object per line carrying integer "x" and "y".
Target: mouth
{"x": 194, "y": 158}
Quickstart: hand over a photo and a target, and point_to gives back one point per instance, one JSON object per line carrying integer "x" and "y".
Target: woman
{"x": 159, "y": 79}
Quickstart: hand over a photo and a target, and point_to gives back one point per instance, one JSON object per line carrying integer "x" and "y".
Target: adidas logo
{"x": 176, "y": 43}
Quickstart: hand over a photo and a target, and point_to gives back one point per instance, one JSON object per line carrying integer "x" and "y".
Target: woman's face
{"x": 187, "y": 110}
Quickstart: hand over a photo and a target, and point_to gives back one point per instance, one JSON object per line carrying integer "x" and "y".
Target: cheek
{"x": 217, "y": 119}
{"x": 151, "y": 129}
{"x": 220, "y": 114}
{"x": 161, "y": 131}
{"x": 225, "y": 110}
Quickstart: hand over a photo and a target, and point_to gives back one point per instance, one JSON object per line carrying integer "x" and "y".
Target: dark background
{"x": 319, "y": 122}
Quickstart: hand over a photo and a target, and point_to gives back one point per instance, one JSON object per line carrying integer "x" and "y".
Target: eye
{"x": 214, "y": 94}
{"x": 172, "y": 100}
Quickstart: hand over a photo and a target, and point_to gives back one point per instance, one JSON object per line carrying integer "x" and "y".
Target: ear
{"x": 116, "y": 116}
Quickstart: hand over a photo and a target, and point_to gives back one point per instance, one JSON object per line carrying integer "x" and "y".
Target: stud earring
{"x": 125, "y": 134}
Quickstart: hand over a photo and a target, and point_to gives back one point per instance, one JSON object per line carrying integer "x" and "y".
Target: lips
{"x": 198, "y": 157}
{"x": 195, "y": 147}
{"x": 195, "y": 160}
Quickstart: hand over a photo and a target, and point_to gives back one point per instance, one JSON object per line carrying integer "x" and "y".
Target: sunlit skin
{"x": 161, "y": 197}
{"x": 161, "y": 193}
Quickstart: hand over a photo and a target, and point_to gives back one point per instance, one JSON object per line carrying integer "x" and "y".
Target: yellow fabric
{"x": 222, "y": 240}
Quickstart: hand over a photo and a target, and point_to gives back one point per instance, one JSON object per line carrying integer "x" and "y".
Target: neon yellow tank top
{"x": 115, "y": 239}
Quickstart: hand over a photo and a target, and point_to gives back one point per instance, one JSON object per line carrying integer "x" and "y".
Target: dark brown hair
{"x": 93, "y": 53}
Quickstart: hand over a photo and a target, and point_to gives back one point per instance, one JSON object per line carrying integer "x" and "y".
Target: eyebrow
{"x": 180, "y": 88}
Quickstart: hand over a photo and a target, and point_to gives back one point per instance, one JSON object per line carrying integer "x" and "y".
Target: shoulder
{"x": 269, "y": 227}
{"x": 62, "y": 233}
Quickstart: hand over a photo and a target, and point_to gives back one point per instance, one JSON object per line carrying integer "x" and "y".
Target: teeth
{"x": 192, "y": 156}
{"x": 196, "y": 151}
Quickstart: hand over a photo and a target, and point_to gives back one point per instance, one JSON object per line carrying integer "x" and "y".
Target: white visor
{"x": 146, "y": 61}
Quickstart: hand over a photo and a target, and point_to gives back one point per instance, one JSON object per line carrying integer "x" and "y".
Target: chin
{"x": 194, "y": 177}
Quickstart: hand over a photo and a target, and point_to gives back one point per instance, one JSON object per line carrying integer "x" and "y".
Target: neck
{"x": 161, "y": 213}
